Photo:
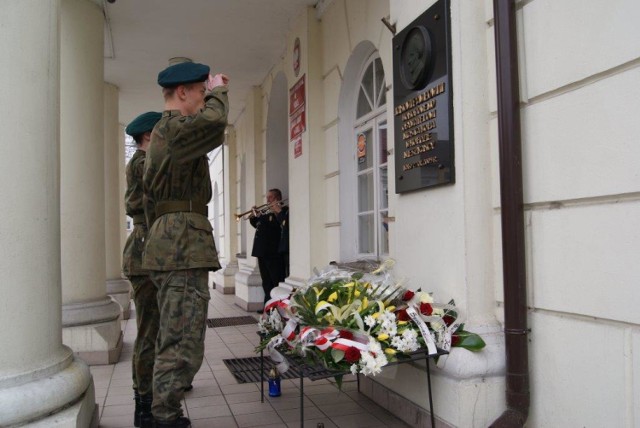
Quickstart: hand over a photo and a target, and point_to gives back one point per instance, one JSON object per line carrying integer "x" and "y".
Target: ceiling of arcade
{"x": 242, "y": 38}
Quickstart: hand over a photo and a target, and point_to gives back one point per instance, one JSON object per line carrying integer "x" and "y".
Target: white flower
{"x": 389, "y": 328}
{"x": 424, "y": 297}
{"x": 437, "y": 312}
{"x": 354, "y": 369}
{"x": 372, "y": 360}
{"x": 407, "y": 342}
{"x": 369, "y": 321}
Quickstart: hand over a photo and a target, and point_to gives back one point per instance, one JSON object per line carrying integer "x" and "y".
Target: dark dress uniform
{"x": 144, "y": 292}
{"x": 266, "y": 248}
{"x": 180, "y": 250}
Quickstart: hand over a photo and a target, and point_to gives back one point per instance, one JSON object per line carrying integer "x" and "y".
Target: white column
{"x": 117, "y": 286}
{"x": 90, "y": 318}
{"x": 40, "y": 379}
{"x": 224, "y": 278}
{"x": 122, "y": 186}
{"x": 248, "y": 284}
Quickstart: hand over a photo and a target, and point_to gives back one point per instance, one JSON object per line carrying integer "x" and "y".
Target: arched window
{"x": 370, "y": 144}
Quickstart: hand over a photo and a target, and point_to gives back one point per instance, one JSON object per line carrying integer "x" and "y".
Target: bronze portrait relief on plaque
{"x": 416, "y": 58}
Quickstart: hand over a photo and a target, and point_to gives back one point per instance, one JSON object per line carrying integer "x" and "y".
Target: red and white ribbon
{"x": 277, "y": 302}
{"x": 289, "y": 330}
{"x": 344, "y": 344}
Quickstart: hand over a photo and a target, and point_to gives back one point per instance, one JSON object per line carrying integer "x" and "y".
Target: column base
{"x": 85, "y": 413}
{"x": 93, "y": 331}
{"x": 224, "y": 279}
{"x": 120, "y": 290}
{"x": 248, "y": 288}
{"x": 287, "y": 287}
{"x": 97, "y": 357}
{"x": 65, "y": 398}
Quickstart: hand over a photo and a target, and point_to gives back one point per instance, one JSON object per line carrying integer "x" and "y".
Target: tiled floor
{"x": 218, "y": 401}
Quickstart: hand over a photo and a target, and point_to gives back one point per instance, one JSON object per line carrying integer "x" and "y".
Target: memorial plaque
{"x": 423, "y": 102}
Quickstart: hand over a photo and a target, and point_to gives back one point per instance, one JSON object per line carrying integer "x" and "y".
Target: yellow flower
{"x": 383, "y": 336}
{"x": 376, "y": 315}
{"x": 401, "y": 322}
{"x": 333, "y": 297}
{"x": 318, "y": 291}
{"x": 391, "y": 308}
{"x": 350, "y": 284}
{"x": 356, "y": 293}
{"x": 390, "y": 351}
{"x": 365, "y": 303}
{"x": 320, "y": 303}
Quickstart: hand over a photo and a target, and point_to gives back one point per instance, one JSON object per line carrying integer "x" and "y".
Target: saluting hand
{"x": 217, "y": 80}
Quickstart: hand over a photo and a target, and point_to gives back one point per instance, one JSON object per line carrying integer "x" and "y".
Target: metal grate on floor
{"x": 247, "y": 370}
{"x": 231, "y": 321}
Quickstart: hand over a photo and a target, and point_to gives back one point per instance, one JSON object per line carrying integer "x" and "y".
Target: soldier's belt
{"x": 138, "y": 219}
{"x": 166, "y": 207}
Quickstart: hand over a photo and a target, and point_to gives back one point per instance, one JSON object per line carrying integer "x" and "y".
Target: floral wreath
{"x": 358, "y": 322}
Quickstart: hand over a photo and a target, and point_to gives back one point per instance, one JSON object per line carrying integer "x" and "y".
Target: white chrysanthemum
{"x": 374, "y": 346}
{"x": 407, "y": 342}
{"x": 387, "y": 317}
{"x": 369, "y": 321}
{"x": 354, "y": 369}
{"x": 389, "y": 328}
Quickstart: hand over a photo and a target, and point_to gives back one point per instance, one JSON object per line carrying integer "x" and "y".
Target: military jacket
{"x": 133, "y": 248}
{"x": 177, "y": 169}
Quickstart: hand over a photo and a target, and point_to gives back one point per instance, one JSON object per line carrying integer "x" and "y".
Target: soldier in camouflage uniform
{"x": 144, "y": 292}
{"x": 180, "y": 250}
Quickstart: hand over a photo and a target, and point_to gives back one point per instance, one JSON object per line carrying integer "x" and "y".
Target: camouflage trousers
{"x": 144, "y": 348}
{"x": 183, "y": 299}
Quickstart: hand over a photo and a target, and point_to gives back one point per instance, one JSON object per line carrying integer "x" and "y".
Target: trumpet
{"x": 261, "y": 210}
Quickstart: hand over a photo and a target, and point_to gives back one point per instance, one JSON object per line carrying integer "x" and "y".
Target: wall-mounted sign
{"x": 297, "y": 147}
{"x": 423, "y": 102}
{"x": 362, "y": 148}
{"x": 297, "y": 107}
{"x": 296, "y": 56}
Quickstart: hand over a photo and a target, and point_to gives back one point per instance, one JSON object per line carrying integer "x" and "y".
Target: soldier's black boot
{"x": 145, "y": 416}
{"x": 136, "y": 412}
{"x": 181, "y": 422}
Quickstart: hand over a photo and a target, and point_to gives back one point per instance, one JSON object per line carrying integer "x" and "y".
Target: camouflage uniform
{"x": 144, "y": 292}
{"x": 180, "y": 249}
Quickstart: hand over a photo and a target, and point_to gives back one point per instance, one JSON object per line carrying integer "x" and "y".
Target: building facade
{"x": 578, "y": 89}
{"x": 320, "y": 125}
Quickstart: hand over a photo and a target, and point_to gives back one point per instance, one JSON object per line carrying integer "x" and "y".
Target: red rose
{"x": 426, "y": 309}
{"x": 346, "y": 334}
{"x": 402, "y": 315}
{"x": 408, "y": 295}
{"x": 448, "y": 320}
{"x": 455, "y": 340}
{"x": 352, "y": 355}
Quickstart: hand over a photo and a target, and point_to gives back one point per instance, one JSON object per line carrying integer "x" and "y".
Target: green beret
{"x": 183, "y": 73}
{"x": 143, "y": 123}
